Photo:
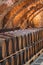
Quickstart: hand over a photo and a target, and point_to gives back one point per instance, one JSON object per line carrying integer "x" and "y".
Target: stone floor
{"x": 38, "y": 61}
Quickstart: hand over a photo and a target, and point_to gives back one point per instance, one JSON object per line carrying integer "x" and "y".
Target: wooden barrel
{"x": 33, "y": 49}
{"x": 12, "y": 60}
{"x": 42, "y": 43}
{"x": 20, "y": 42}
{"x": 3, "y": 53}
{"x": 37, "y": 36}
{"x": 32, "y": 37}
{"x": 15, "y": 59}
{"x": 23, "y": 41}
{"x": 41, "y": 34}
{"x": 9, "y": 46}
{"x": 26, "y": 54}
{"x": 39, "y": 46}
{"x": 29, "y": 39}
{"x": 21, "y": 58}
{"x": 36, "y": 47}
{"x": 17, "y": 44}
{"x": 31, "y": 52}
{"x": 5, "y": 46}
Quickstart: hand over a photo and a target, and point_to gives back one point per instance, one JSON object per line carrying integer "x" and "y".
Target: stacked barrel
{"x": 18, "y": 47}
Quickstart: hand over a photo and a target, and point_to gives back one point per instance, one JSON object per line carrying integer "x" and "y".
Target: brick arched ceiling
{"x": 21, "y": 13}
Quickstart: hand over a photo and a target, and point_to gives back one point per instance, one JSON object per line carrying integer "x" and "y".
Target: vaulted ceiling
{"x": 22, "y": 14}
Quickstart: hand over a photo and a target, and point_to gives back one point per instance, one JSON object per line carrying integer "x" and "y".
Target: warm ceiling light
{"x": 38, "y": 20}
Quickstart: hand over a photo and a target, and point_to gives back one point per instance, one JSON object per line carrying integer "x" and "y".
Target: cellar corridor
{"x": 21, "y": 32}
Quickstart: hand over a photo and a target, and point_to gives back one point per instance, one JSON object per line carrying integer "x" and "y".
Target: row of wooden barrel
{"x": 17, "y": 47}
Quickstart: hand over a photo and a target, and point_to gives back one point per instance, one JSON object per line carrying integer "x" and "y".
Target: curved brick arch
{"x": 18, "y": 12}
